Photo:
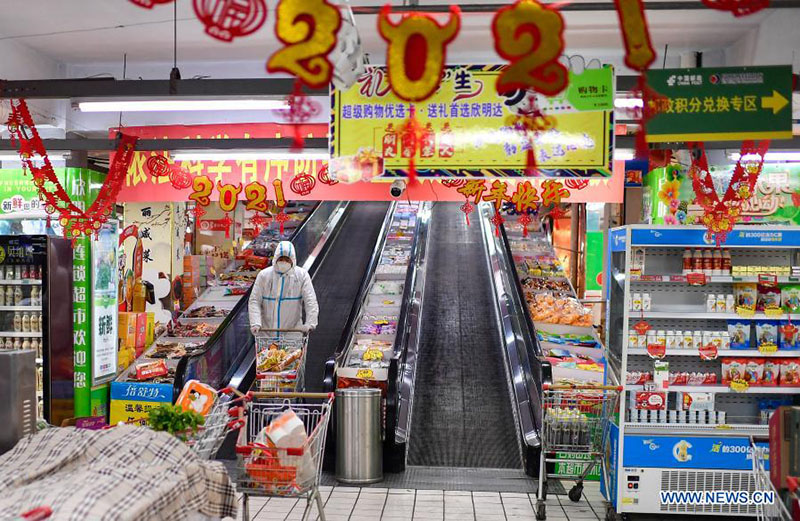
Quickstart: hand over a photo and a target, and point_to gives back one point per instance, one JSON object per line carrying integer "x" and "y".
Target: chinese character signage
{"x": 721, "y": 104}
{"x": 104, "y": 304}
{"x": 467, "y": 128}
{"x": 131, "y": 401}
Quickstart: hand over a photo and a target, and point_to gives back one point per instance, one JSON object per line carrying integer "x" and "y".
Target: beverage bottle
{"x": 26, "y": 323}
{"x": 17, "y": 322}
{"x": 687, "y": 261}
{"x": 18, "y": 295}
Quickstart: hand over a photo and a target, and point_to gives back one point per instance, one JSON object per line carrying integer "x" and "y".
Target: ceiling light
{"x": 770, "y": 157}
{"x": 628, "y": 103}
{"x": 244, "y": 156}
{"x": 623, "y": 155}
{"x": 14, "y": 158}
{"x": 182, "y": 105}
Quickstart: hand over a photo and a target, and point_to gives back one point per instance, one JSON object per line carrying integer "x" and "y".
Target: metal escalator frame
{"x": 334, "y": 220}
{"x": 522, "y": 350}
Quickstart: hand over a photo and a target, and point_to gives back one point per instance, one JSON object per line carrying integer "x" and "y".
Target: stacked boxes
{"x": 191, "y": 279}
{"x": 132, "y": 337}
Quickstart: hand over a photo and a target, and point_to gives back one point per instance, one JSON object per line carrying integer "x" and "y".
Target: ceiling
{"x": 101, "y": 31}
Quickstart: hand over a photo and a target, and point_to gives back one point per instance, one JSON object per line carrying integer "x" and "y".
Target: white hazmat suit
{"x": 278, "y": 299}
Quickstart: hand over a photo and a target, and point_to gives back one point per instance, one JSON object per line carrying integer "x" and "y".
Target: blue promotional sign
{"x": 611, "y": 455}
{"x": 617, "y": 239}
{"x": 692, "y": 452}
{"x": 697, "y": 237}
{"x": 141, "y": 392}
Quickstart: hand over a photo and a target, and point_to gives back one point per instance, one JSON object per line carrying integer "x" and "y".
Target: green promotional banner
{"x": 721, "y": 104}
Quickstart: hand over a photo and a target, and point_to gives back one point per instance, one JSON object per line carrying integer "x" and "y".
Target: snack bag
{"x": 197, "y": 397}
{"x": 768, "y": 297}
{"x": 772, "y": 371}
{"x": 733, "y": 369}
{"x": 788, "y": 336}
{"x": 790, "y": 298}
{"x": 745, "y": 294}
{"x": 790, "y": 371}
{"x": 739, "y": 332}
{"x": 754, "y": 371}
{"x": 766, "y": 332}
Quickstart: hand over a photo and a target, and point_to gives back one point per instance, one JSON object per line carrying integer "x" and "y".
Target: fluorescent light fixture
{"x": 771, "y": 157}
{"x": 628, "y": 103}
{"x": 623, "y": 155}
{"x": 182, "y": 105}
{"x": 14, "y": 158}
{"x": 232, "y": 155}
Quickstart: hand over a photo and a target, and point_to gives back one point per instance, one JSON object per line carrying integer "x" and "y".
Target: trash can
{"x": 359, "y": 449}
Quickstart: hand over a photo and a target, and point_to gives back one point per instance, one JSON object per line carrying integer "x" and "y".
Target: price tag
{"x": 381, "y": 322}
{"x": 767, "y": 279}
{"x": 696, "y": 279}
{"x": 388, "y": 302}
{"x": 773, "y": 311}
{"x": 746, "y": 312}
{"x": 708, "y": 351}
{"x": 367, "y": 374}
{"x": 767, "y": 347}
{"x": 738, "y": 385}
{"x": 724, "y": 427}
{"x": 677, "y": 278}
{"x": 657, "y": 351}
{"x": 641, "y": 327}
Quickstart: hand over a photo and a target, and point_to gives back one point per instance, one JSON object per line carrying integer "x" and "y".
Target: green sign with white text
{"x": 721, "y": 104}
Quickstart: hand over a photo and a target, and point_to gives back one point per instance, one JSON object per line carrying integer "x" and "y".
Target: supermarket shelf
{"x": 721, "y": 352}
{"x": 695, "y": 315}
{"x": 21, "y": 282}
{"x": 691, "y": 429}
{"x": 20, "y": 308}
{"x": 723, "y": 389}
{"x": 19, "y": 334}
{"x": 712, "y": 279}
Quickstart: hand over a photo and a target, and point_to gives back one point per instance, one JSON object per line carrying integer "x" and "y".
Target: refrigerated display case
{"x": 701, "y": 375}
{"x": 36, "y": 314}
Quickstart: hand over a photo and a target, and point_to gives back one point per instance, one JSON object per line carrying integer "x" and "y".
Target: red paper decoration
{"x": 149, "y": 4}
{"x": 303, "y": 183}
{"x": 308, "y": 30}
{"x": 277, "y": 184}
{"x": 737, "y": 7}
{"x": 229, "y": 19}
{"x": 454, "y": 183}
{"x": 281, "y": 218}
{"x": 639, "y": 53}
{"x": 467, "y": 208}
{"x": 75, "y": 220}
{"x": 198, "y": 212}
{"x": 180, "y": 179}
{"x": 576, "y": 184}
{"x": 259, "y": 221}
{"x": 324, "y": 176}
{"x": 531, "y": 37}
{"x": 301, "y": 110}
{"x": 524, "y": 220}
{"x": 158, "y": 165}
{"x": 498, "y": 221}
{"x": 416, "y": 51}
{"x": 411, "y": 141}
{"x": 720, "y": 216}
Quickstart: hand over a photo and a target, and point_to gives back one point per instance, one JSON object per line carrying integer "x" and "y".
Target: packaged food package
{"x": 771, "y": 372}
{"x": 766, "y": 332}
{"x": 287, "y": 431}
{"x": 790, "y": 371}
{"x": 661, "y": 374}
{"x": 750, "y": 370}
{"x": 768, "y": 297}
{"x": 196, "y": 396}
{"x": 788, "y": 336}
{"x": 739, "y": 332}
{"x": 638, "y": 377}
{"x": 651, "y": 400}
{"x": 745, "y": 294}
{"x": 691, "y": 401}
{"x": 790, "y": 298}
{"x": 150, "y": 370}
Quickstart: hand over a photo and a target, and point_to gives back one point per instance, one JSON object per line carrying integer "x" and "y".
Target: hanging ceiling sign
{"x": 721, "y": 104}
{"x": 468, "y": 129}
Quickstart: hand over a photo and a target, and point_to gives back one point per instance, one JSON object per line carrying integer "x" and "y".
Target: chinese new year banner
{"x": 468, "y": 129}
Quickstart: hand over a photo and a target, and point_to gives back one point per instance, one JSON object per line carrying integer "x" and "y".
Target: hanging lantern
{"x": 303, "y": 183}
{"x": 158, "y": 166}
{"x": 229, "y": 19}
{"x": 181, "y": 179}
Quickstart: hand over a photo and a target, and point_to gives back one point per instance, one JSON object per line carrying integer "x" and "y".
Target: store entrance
{"x": 462, "y": 414}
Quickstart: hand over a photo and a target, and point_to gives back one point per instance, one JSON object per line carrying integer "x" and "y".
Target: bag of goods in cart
{"x": 286, "y": 440}
{"x": 197, "y": 397}
{"x": 275, "y": 359}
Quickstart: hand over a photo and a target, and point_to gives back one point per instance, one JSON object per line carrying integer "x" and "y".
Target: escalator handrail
{"x": 180, "y": 371}
{"x": 329, "y": 381}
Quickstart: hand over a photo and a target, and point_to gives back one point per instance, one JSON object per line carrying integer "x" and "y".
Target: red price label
{"x": 657, "y": 351}
{"x": 696, "y": 279}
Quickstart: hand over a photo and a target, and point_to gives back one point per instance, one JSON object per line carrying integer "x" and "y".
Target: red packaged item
{"x": 638, "y": 377}
{"x": 790, "y": 372}
{"x": 151, "y": 370}
{"x": 750, "y": 370}
{"x": 651, "y": 401}
{"x": 678, "y": 379}
{"x": 772, "y": 371}
{"x": 710, "y": 379}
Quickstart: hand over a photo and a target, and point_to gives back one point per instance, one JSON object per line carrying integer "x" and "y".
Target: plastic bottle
{"x": 708, "y": 262}
{"x": 697, "y": 261}
{"x": 9, "y": 295}
{"x": 26, "y": 343}
{"x": 17, "y": 322}
{"x": 17, "y": 343}
{"x": 18, "y": 296}
{"x": 726, "y": 262}
{"x": 9, "y": 343}
{"x": 687, "y": 261}
{"x": 26, "y": 322}
{"x": 717, "y": 262}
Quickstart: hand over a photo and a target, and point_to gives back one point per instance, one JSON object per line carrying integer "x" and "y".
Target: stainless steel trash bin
{"x": 359, "y": 448}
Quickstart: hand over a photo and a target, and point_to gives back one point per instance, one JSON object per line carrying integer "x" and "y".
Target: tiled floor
{"x": 374, "y": 504}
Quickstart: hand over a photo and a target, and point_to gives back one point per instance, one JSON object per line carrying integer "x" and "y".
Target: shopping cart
{"x": 280, "y": 359}
{"x": 225, "y": 416}
{"x": 777, "y": 510}
{"x": 575, "y": 421}
{"x": 294, "y": 471}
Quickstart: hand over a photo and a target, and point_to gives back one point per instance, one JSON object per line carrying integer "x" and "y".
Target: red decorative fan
{"x": 158, "y": 166}
{"x": 181, "y": 179}
{"x": 324, "y": 176}
{"x": 303, "y": 183}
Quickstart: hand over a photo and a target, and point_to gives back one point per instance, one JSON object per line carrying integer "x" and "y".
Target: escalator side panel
{"x": 462, "y": 413}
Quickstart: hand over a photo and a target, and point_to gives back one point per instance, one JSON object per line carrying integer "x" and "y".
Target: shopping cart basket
{"x": 226, "y": 415}
{"x": 280, "y": 359}
{"x": 777, "y": 510}
{"x": 575, "y": 421}
{"x": 265, "y": 469}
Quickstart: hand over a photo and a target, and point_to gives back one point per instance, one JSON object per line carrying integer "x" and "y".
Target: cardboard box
{"x": 141, "y": 331}
{"x": 127, "y": 329}
{"x": 151, "y": 328}
{"x": 782, "y": 423}
{"x": 139, "y": 297}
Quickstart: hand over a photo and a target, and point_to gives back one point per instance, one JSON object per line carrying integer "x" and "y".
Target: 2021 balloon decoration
{"x": 416, "y": 51}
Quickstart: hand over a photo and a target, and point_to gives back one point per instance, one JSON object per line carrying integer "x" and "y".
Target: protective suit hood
{"x": 285, "y": 249}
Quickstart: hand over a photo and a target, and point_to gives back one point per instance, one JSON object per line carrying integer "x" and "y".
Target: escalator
{"x": 462, "y": 412}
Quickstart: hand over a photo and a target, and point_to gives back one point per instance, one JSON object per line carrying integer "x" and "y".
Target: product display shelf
{"x": 670, "y": 427}
{"x": 20, "y": 282}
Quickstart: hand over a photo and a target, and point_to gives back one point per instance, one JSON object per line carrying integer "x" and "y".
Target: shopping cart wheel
{"x": 541, "y": 515}
{"x": 612, "y": 515}
{"x": 575, "y": 493}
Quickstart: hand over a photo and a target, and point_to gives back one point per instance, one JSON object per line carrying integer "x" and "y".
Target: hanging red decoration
{"x": 149, "y": 4}
{"x": 324, "y": 176}
{"x": 158, "y": 165}
{"x": 301, "y": 110}
{"x": 467, "y": 208}
{"x": 226, "y": 222}
{"x": 498, "y": 221}
{"x": 416, "y": 51}
{"x": 307, "y": 28}
{"x": 259, "y": 222}
{"x": 198, "y": 211}
{"x": 454, "y": 183}
{"x": 411, "y": 142}
{"x": 531, "y": 37}
{"x": 303, "y": 183}
{"x": 721, "y": 215}
{"x": 281, "y": 218}
{"x": 498, "y": 194}
{"x": 639, "y": 53}
{"x": 277, "y": 184}
{"x": 528, "y": 122}
{"x": 229, "y": 19}
{"x": 524, "y": 220}
{"x": 737, "y": 7}
{"x": 576, "y": 184}
{"x": 180, "y": 178}
{"x": 75, "y": 220}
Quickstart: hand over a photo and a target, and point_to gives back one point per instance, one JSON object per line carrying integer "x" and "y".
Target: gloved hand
{"x": 255, "y": 330}
{"x": 305, "y": 328}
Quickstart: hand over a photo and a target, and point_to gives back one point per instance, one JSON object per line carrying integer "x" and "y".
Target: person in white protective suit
{"x": 281, "y": 293}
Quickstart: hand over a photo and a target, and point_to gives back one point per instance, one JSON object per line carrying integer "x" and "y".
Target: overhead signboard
{"x": 721, "y": 104}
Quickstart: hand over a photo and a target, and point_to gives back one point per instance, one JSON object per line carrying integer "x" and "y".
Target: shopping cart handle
{"x": 37, "y": 514}
{"x": 236, "y": 424}
{"x": 550, "y": 387}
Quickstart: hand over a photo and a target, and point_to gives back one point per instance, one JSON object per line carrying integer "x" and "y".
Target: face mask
{"x": 283, "y": 266}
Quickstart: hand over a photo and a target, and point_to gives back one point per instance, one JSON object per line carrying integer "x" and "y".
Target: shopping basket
{"x": 777, "y": 510}
{"x": 575, "y": 421}
{"x": 225, "y": 416}
{"x": 280, "y": 359}
{"x": 267, "y": 467}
